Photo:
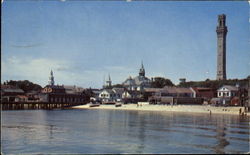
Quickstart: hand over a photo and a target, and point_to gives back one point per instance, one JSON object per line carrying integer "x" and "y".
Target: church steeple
{"x": 109, "y": 82}
{"x": 142, "y": 70}
{"x": 51, "y": 79}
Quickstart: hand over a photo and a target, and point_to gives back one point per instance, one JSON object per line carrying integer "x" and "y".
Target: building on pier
{"x": 52, "y": 93}
{"x": 60, "y": 94}
{"x": 10, "y": 93}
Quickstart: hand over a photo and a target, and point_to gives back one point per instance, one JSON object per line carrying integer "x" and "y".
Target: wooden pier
{"x": 36, "y": 105}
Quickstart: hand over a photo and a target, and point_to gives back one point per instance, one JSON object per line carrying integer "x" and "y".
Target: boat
{"x": 94, "y": 105}
{"x": 118, "y": 105}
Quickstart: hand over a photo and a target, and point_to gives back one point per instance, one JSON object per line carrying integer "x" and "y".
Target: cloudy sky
{"x": 83, "y": 41}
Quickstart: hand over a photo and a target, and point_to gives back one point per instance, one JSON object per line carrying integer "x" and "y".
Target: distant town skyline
{"x": 83, "y": 42}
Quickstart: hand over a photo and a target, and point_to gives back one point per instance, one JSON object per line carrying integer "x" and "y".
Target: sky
{"x": 85, "y": 41}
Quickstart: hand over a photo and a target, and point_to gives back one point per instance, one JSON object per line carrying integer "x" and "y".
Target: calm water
{"x": 110, "y": 131}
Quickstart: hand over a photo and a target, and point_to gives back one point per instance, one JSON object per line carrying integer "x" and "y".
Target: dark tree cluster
{"x": 215, "y": 84}
{"x": 160, "y": 82}
{"x": 25, "y": 85}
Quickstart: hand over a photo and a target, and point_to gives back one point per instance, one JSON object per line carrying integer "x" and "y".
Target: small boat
{"x": 118, "y": 105}
{"x": 94, "y": 105}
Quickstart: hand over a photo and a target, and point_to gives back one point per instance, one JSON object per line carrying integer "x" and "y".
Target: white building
{"x": 111, "y": 95}
{"x": 227, "y": 91}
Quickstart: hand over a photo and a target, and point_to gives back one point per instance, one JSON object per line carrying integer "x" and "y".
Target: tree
{"x": 160, "y": 82}
{"x": 25, "y": 85}
{"x": 215, "y": 84}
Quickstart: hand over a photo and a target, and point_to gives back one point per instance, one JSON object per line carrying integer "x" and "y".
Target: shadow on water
{"x": 222, "y": 141}
{"x": 141, "y": 134}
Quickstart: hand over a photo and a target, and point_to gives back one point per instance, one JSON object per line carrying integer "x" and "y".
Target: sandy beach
{"x": 207, "y": 109}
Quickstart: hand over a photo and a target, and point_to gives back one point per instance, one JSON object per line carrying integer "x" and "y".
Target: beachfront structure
{"x": 11, "y": 93}
{"x": 59, "y": 94}
{"x": 221, "y": 30}
{"x": 111, "y": 95}
{"x": 173, "y": 95}
{"x": 227, "y": 91}
{"x": 139, "y": 82}
{"x": 131, "y": 96}
{"x": 52, "y": 93}
{"x": 176, "y": 92}
{"x": 203, "y": 92}
{"x": 107, "y": 95}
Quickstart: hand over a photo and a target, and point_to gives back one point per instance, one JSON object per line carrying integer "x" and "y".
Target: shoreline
{"x": 205, "y": 109}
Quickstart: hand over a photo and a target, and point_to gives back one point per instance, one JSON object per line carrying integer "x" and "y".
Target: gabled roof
{"x": 71, "y": 89}
{"x": 118, "y": 90}
{"x": 13, "y": 90}
{"x": 110, "y": 91}
{"x": 152, "y": 89}
{"x": 138, "y": 80}
{"x": 229, "y": 87}
{"x": 177, "y": 90}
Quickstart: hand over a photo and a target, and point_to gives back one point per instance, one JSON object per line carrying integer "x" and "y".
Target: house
{"x": 107, "y": 95}
{"x": 131, "y": 96}
{"x": 111, "y": 95}
{"x": 227, "y": 91}
{"x": 118, "y": 92}
{"x": 176, "y": 91}
{"x": 203, "y": 92}
{"x": 174, "y": 95}
{"x": 9, "y": 93}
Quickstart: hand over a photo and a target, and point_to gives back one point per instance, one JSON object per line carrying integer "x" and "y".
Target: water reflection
{"x": 111, "y": 131}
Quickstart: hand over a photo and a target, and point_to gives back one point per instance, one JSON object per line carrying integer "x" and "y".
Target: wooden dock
{"x": 36, "y": 105}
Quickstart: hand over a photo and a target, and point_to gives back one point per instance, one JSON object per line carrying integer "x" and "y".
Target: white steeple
{"x": 51, "y": 79}
{"x": 142, "y": 70}
{"x": 109, "y": 82}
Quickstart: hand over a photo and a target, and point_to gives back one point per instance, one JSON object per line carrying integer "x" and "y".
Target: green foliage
{"x": 215, "y": 84}
{"x": 118, "y": 86}
{"x": 25, "y": 85}
{"x": 160, "y": 82}
{"x": 89, "y": 92}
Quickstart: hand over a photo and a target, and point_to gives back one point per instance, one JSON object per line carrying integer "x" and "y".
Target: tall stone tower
{"x": 221, "y": 47}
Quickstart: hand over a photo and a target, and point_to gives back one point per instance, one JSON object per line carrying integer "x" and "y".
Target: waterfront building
{"x": 58, "y": 94}
{"x": 221, "y": 30}
{"x": 138, "y": 83}
{"x": 227, "y": 91}
{"x": 107, "y": 95}
{"x": 52, "y": 93}
{"x": 203, "y": 92}
{"x": 226, "y": 95}
{"x": 111, "y": 95}
{"x": 173, "y": 95}
{"x": 10, "y": 93}
{"x": 73, "y": 89}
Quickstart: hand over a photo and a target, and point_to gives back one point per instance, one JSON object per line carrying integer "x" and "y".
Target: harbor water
{"x": 117, "y": 131}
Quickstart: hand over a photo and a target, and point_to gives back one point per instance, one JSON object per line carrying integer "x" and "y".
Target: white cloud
{"x": 37, "y": 70}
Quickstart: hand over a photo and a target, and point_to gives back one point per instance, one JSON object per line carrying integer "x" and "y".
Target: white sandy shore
{"x": 168, "y": 108}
